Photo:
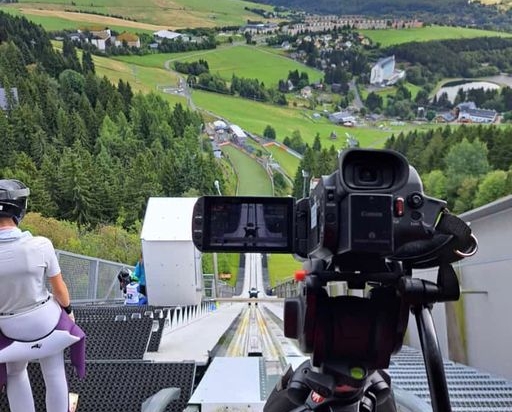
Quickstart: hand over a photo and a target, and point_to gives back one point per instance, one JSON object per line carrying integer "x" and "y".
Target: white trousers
{"x": 34, "y": 340}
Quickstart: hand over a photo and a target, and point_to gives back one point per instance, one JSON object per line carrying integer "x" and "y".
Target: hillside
{"x": 150, "y": 15}
{"x": 446, "y": 12}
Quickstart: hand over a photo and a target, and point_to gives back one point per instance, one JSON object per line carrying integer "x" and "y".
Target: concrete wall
{"x": 486, "y": 282}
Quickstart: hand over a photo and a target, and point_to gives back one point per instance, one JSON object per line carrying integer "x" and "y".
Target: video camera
{"x": 367, "y": 224}
{"x": 371, "y": 206}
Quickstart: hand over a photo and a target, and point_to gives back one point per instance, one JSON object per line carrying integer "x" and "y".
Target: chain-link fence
{"x": 90, "y": 279}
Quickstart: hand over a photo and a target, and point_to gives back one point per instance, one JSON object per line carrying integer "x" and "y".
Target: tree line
{"x": 92, "y": 152}
{"x": 467, "y": 165}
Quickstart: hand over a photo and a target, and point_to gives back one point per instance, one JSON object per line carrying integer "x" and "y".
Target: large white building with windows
{"x": 384, "y": 73}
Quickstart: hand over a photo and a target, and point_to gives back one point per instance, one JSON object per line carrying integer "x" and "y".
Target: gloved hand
{"x": 71, "y": 316}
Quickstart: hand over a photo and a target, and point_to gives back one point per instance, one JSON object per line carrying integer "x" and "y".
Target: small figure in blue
{"x": 131, "y": 288}
{"x": 139, "y": 273}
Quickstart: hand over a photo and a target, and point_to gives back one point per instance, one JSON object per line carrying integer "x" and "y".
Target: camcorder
{"x": 368, "y": 224}
{"x": 367, "y": 209}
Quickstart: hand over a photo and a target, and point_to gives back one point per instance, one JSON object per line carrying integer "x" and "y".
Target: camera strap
{"x": 452, "y": 241}
{"x": 463, "y": 243}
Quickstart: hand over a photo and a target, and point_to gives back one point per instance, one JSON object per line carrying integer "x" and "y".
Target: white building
{"x": 384, "y": 72}
{"x": 166, "y": 34}
{"x": 237, "y": 132}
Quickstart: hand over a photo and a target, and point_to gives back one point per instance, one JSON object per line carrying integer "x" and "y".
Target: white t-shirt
{"x": 24, "y": 263}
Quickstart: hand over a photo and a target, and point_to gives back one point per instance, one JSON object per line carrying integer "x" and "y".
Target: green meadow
{"x": 392, "y": 37}
{"x": 142, "y": 79}
{"x": 287, "y": 161}
{"x": 391, "y": 91}
{"x": 255, "y": 116}
{"x": 281, "y": 267}
{"x": 253, "y": 180}
{"x": 245, "y": 61}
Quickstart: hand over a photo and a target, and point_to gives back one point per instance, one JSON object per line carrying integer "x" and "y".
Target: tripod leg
{"x": 433, "y": 360}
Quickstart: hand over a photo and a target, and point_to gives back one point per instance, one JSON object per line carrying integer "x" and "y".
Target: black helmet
{"x": 124, "y": 278}
{"x": 13, "y": 199}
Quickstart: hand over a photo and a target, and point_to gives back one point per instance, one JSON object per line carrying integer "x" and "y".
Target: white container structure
{"x": 172, "y": 262}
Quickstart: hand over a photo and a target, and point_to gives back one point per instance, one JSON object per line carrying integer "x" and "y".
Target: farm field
{"x": 243, "y": 60}
{"x": 173, "y": 14}
{"x": 500, "y": 4}
{"x": 392, "y": 37}
{"x": 54, "y": 20}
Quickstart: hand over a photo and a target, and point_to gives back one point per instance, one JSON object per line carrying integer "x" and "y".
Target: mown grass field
{"x": 245, "y": 61}
{"x": 281, "y": 267}
{"x": 392, "y": 37}
{"x": 287, "y": 161}
{"x": 253, "y": 180}
{"x": 503, "y": 5}
{"x": 170, "y": 14}
{"x": 54, "y": 20}
{"x": 254, "y": 116}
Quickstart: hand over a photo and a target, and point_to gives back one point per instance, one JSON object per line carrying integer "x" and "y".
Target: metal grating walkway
{"x": 470, "y": 390}
{"x": 118, "y": 386}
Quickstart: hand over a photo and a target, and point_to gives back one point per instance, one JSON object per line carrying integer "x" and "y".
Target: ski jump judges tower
{"x": 172, "y": 262}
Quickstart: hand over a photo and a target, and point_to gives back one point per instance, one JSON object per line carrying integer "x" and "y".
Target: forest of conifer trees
{"x": 91, "y": 151}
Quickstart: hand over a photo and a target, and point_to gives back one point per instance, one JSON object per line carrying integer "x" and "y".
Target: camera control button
{"x": 415, "y": 200}
{"x": 415, "y": 215}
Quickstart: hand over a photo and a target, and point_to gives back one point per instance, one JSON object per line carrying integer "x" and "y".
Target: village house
{"x": 131, "y": 40}
{"x": 345, "y": 118}
{"x": 306, "y": 92}
{"x": 237, "y": 134}
{"x": 259, "y": 28}
{"x": 100, "y": 38}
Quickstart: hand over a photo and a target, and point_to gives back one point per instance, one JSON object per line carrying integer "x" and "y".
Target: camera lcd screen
{"x": 250, "y": 224}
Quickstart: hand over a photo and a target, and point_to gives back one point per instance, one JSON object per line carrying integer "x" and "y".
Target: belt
{"x": 32, "y": 307}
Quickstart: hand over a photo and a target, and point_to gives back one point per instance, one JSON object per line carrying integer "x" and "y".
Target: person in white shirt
{"x": 34, "y": 323}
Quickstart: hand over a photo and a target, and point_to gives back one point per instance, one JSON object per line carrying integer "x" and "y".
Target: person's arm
{"x": 60, "y": 291}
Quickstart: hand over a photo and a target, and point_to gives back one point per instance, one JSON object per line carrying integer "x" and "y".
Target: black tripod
{"x": 351, "y": 340}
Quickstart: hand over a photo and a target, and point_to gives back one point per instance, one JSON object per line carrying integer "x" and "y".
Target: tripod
{"x": 351, "y": 340}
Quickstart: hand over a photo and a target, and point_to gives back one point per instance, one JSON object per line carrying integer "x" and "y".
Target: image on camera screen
{"x": 246, "y": 224}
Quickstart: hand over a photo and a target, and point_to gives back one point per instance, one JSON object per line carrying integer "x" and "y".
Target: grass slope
{"x": 253, "y": 180}
{"x": 243, "y": 60}
{"x": 171, "y": 14}
{"x": 255, "y": 116}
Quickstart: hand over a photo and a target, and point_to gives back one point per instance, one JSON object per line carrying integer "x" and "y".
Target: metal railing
{"x": 95, "y": 280}
{"x": 90, "y": 279}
